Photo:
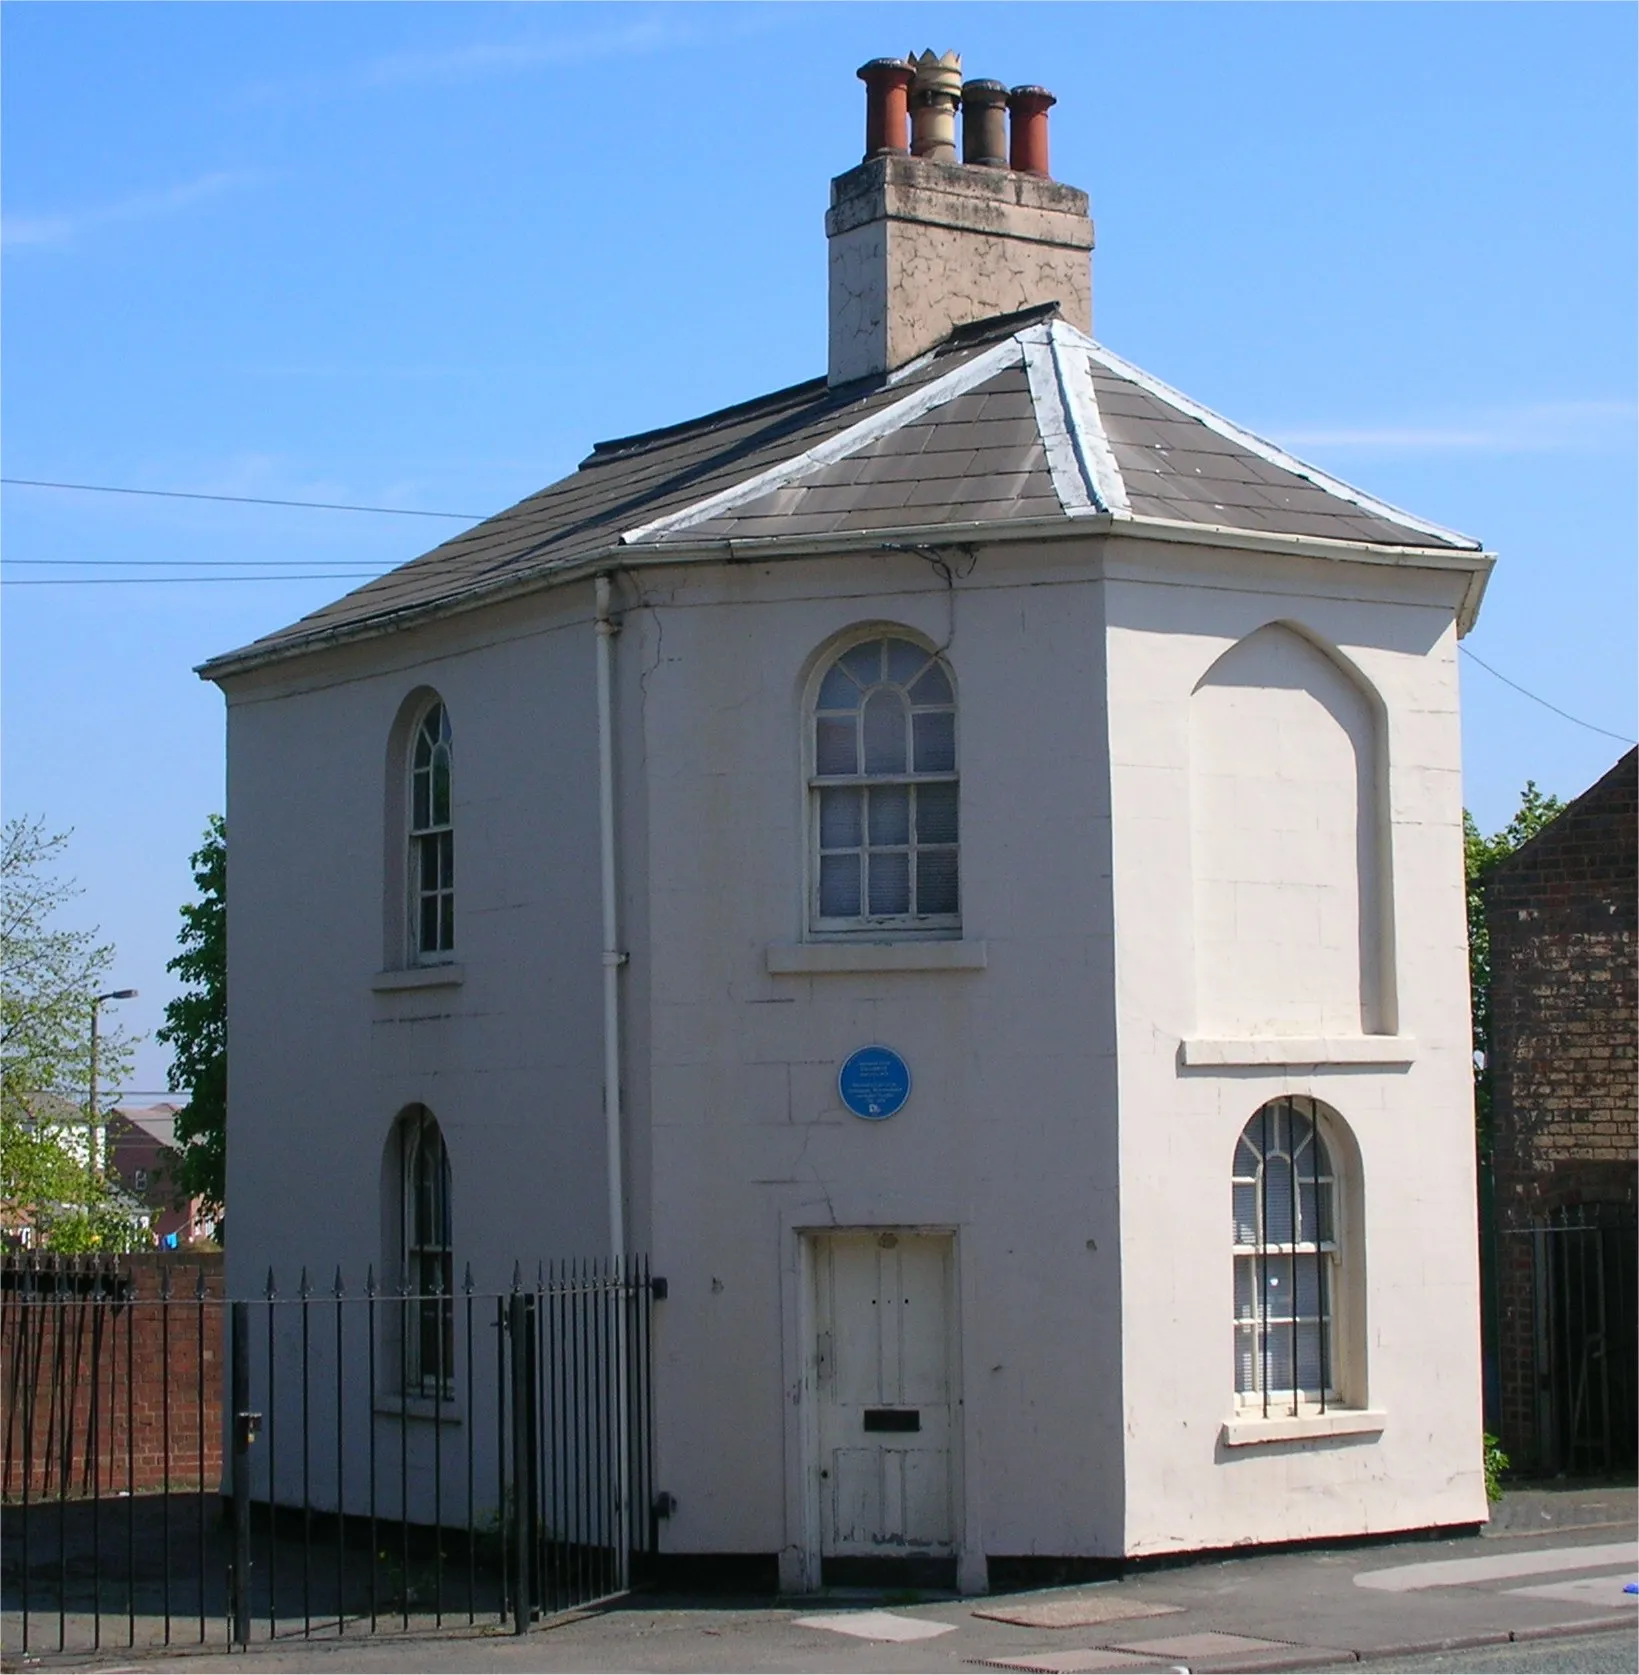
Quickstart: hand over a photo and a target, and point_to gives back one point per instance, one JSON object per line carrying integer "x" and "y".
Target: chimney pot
{"x": 935, "y": 94}
{"x": 984, "y": 124}
{"x": 887, "y": 93}
{"x": 1028, "y": 107}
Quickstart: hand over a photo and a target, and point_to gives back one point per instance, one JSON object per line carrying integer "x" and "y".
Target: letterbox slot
{"x": 892, "y": 1419}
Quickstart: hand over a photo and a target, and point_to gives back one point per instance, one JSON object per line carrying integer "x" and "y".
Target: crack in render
{"x": 796, "y": 1168}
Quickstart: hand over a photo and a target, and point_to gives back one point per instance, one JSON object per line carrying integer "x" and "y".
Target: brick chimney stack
{"x": 921, "y": 243}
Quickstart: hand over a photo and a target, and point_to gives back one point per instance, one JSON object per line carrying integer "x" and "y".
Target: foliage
{"x": 49, "y": 980}
{"x": 196, "y": 1024}
{"x": 1495, "y": 1463}
{"x": 1480, "y": 855}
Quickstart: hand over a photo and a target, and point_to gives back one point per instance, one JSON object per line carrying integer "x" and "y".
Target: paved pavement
{"x": 1542, "y": 1589}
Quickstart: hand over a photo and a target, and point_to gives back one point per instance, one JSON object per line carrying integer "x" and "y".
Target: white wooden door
{"x": 885, "y": 1383}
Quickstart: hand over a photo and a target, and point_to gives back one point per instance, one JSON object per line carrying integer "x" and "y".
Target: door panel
{"x": 885, "y": 1388}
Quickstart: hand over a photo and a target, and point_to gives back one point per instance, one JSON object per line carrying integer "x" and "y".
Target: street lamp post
{"x": 91, "y": 1109}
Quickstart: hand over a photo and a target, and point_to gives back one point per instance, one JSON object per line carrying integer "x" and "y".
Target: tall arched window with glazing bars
{"x": 1286, "y": 1255}
{"x": 432, "y": 838}
{"x": 427, "y": 1277}
{"x": 883, "y": 791}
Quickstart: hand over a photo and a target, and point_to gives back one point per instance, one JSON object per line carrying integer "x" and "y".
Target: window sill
{"x": 1198, "y": 1050}
{"x": 419, "y": 977}
{"x": 810, "y": 959}
{"x": 1303, "y": 1427}
{"x": 418, "y": 1407}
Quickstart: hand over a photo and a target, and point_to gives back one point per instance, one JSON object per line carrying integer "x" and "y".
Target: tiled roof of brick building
{"x": 1018, "y": 419}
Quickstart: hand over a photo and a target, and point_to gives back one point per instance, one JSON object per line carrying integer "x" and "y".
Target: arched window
{"x": 431, "y": 868}
{"x": 427, "y": 1257}
{"x": 883, "y": 791}
{"x": 1286, "y": 1260}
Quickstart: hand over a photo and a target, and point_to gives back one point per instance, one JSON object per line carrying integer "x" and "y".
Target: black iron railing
{"x": 178, "y": 1467}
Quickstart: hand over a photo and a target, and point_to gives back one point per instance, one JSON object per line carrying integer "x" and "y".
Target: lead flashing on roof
{"x": 1071, "y": 481}
{"x": 1086, "y": 422}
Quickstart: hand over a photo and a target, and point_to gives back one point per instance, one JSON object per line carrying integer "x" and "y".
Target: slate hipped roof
{"x": 1021, "y": 420}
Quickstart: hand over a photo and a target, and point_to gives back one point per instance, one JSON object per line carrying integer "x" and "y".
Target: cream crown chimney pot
{"x": 935, "y": 94}
{"x": 920, "y": 245}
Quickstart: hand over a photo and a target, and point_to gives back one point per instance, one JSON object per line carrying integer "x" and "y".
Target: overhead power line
{"x": 243, "y": 499}
{"x": 160, "y": 581}
{"x": 169, "y": 563}
{"x": 1621, "y": 738}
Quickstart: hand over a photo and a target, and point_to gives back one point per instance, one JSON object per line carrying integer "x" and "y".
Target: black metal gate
{"x": 1585, "y": 1342}
{"x": 324, "y": 1462}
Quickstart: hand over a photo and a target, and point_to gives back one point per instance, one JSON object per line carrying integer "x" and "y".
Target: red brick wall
{"x": 1564, "y": 1019}
{"x": 90, "y": 1358}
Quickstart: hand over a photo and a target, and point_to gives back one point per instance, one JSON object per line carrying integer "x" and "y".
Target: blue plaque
{"x": 874, "y": 1083}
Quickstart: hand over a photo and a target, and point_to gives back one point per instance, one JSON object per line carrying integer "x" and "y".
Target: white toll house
{"x": 960, "y": 861}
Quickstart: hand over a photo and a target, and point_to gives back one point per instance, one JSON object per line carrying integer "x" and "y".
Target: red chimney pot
{"x": 1028, "y": 108}
{"x": 887, "y": 105}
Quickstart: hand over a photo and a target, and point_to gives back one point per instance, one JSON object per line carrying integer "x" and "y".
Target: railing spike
{"x": 370, "y": 1280}
{"x": 270, "y": 1291}
{"x": 517, "y": 1276}
{"x": 303, "y": 1289}
{"x": 466, "y": 1283}
{"x": 338, "y": 1290}
{"x": 165, "y": 1284}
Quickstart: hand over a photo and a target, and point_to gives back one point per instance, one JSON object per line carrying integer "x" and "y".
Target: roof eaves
{"x": 1475, "y": 563}
{"x": 610, "y": 558}
{"x": 1267, "y": 450}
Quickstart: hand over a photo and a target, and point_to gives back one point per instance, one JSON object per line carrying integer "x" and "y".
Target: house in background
{"x": 1561, "y": 913}
{"x": 961, "y": 860}
{"x": 139, "y": 1148}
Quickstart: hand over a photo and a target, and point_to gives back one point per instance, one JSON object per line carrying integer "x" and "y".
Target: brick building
{"x": 140, "y": 1153}
{"x": 1561, "y": 913}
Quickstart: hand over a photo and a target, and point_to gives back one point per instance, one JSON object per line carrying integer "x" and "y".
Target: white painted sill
{"x": 812, "y": 959}
{"x": 1202, "y": 1050}
{"x": 419, "y": 977}
{"x": 1303, "y": 1427}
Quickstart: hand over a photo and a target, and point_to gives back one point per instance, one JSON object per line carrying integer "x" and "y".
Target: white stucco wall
{"x": 509, "y": 1060}
{"x": 1172, "y": 616}
{"x": 1009, "y": 1136}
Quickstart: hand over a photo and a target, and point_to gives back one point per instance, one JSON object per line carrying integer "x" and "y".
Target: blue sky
{"x": 423, "y": 255}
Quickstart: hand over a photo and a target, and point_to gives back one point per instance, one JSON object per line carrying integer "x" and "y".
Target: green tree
{"x": 196, "y": 1025}
{"x": 1480, "y": 855}
{"x": 50, "y": 977}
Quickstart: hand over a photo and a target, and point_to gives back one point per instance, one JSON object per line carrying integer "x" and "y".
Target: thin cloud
{"x": 489, "y": 58}
{"x": 66, "y": 226}
{"x": 1544, "y": 427}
